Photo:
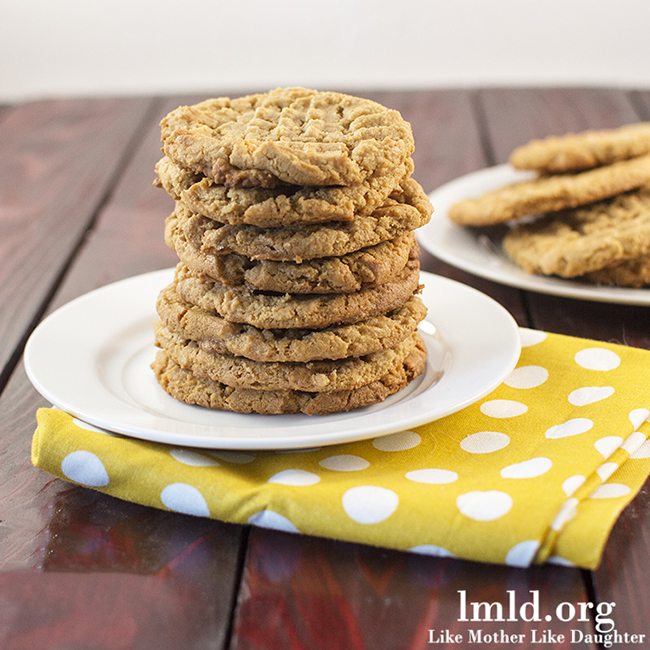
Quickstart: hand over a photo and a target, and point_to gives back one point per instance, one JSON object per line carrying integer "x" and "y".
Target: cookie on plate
{"x": 575, "y": 151}
{"x": 633, "y": 274}
{"x": 405, "y": 210}
{"x": 312, "y": 376}
{"x": 276, "y": 207}
{"x": 344, "y": 274}
{"x": 286, "y": 311}
{"x": 577, "y": 242}
{"x": 215, "y": 334}
{"x": 552, "y": 193}
{"x": 182, "y": 384}
{"x": 288, "y": 135}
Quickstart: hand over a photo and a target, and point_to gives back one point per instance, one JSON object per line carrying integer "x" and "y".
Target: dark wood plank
{"x": 51, "y": 527}
{"x": 512, "y": 118}
{"x": 341, "y": 592}
{"x": 315, "y": 593}
{"x": 58, "y": 160}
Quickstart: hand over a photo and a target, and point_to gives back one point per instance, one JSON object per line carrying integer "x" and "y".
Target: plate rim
{"x": 231, "y": 442}
{"x": 564, "y": 288}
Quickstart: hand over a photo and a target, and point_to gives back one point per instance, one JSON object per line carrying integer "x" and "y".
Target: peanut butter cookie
{"x": 552, "y": 193}
{"x": 274, "y": 208}
{"x": 577, "y": 242}
{"x": 633, "y": 273}
{"x": 344, "y": 274}
{"x": 285, "y": 311}
{"x": 575, "y": 151}
{"x": 404, "y": 211}
{"x": 183, "y": 385}
{"x": 214, "y": 334}
{"x": 313, "y": 376}
{"x": 288, "y": 135}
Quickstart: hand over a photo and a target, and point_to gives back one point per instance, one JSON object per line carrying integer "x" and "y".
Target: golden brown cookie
{"x": 575, "y": 151}
{"x": 403, "y": 212}
{"x": 274, "y": 208}
{"x": 288, "y": 135}
{"x": 313, "y": 376}
{"x": 214, "y": 334}
{"x": 576, "y": 242}
{"x": 285, "y": 311}
{"x": 552, "y": 193}
{"x": 633, "y": 273}
{"x": 344, "y": 274}
{"x": 183, "y": 385}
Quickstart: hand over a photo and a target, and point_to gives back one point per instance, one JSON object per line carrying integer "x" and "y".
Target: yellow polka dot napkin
{"x": 537, "y": 471}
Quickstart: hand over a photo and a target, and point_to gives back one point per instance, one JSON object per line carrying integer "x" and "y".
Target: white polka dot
{"x": 527, "y": 377}
{"x": 606, "y": 470}
{"x": 193, "y": 458}
{"x": 294, "y": 477}
{"x": 633, "y": 442}
{"x": 484, "y": 506}
{"x": 431, "y": 549}
{"x": 484, "y": 442}
{"x": 522, "y": 554}
{"x": 638, "y": 417}
{"x": 237, "y": 457}
{"x": 589, "y": 395}
{"x": 181, "y": 497}
{"x": 344, "y": 463}
{"x": 271, "y": 519}
{"x": 528, "y": 468}
{"x": 397, "y": 441}
{"x": 559, "y": 560}
{"x": 608, "y": 445}
{"x": 572, "y": 427}
{"x": 368, "y": 504}
{"x": 85, "y": 468}
{"x": 503, "y": 408}
{"x": 610, "y": 491}
{"x": 642, "y": 452}
{"x": 566, "y": 514}
{"x": 432, "y": 476}
{"x": 571, "y": 484}
{"x": 597, "y": 359}
{"x": 531, "y": 337}
{"x": 89, "y": 427}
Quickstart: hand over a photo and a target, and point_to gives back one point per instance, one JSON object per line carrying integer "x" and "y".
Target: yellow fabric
{"x": 531, "y": 473}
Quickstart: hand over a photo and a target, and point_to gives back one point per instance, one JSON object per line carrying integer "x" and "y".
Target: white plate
{"x": 474, "y": 251}
{"x": 91, "y": 358}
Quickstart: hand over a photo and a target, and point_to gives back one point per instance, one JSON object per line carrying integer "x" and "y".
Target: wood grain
{"x": 59, "y": 160}
{"x": 512, "y": 118}
{"x": 315, "y": 593}
{"x": 51, "y": 527}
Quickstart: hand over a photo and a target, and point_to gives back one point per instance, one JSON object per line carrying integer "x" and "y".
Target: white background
{"x": 85, "y": 47}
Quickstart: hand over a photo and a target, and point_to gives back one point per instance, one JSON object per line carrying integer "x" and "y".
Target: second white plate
{"x": 473, "y": 251}
{"x": 91, "y": 358}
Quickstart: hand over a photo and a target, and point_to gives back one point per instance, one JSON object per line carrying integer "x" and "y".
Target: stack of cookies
{"x": 594, "y": 191}
{"x": 298, "y": 277}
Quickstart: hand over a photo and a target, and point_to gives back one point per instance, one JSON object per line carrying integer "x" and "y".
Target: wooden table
{"x": 83, "y": 570}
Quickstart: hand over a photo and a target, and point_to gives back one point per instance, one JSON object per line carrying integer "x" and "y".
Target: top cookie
{"x": 575, "y": 151}
{"x": 552, "y": 193}
{"x": 288, "y": 135}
